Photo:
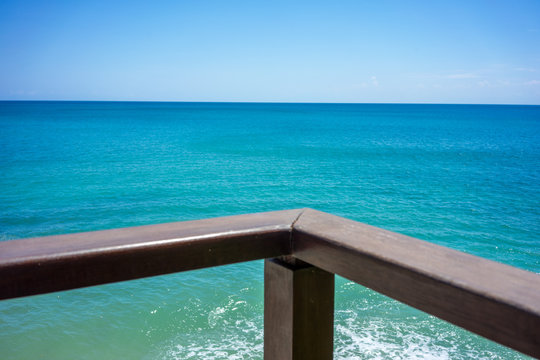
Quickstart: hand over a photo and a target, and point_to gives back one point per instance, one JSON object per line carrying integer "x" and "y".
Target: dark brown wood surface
{"x": 494, "y": 300}
{"x": 298, "y": 312}
{"x": 41, "y": 265}
{"x": 497, "y": 301}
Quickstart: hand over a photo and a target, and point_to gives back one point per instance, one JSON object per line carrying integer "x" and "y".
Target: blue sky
{"x": 284, "y": 51}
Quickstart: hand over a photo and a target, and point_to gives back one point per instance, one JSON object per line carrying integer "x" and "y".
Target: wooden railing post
{"x": 298, "y": 311}
{"x": 496, "y": 301}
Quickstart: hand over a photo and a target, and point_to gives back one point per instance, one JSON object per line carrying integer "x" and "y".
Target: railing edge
{"x": 497, "y": 301}
{"x": 54, "y": 263}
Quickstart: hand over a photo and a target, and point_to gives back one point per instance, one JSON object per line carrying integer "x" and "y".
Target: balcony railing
{"x": 304, "y": 249}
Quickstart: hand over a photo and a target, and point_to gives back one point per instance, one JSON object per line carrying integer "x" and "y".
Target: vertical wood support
{"x": 298, "y": 311}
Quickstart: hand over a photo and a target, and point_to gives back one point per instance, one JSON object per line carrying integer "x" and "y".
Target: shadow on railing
{"x": 306, "y": 248}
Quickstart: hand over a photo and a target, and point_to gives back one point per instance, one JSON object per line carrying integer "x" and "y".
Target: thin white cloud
{"x": 461, "y": 76}
{"x": 532, "y": 82}
{"x": 374, "y": 81}
{"x": 526, "y": 69}
{"x": 23, "y": 92}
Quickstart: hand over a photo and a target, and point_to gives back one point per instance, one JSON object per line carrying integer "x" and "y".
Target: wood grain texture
{"x": 494, "y": 300}
{"x": 53, "y": 263}
{"x": 497, "y": 301}
{"x": 298, "y": 312}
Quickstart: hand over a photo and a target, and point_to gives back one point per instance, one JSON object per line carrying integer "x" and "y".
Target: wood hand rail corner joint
{"x": 496, "y": 301}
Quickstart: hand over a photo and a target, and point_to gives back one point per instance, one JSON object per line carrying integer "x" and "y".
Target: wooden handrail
{"x": 53, "y": 263}
{"x": 497, "y": 301}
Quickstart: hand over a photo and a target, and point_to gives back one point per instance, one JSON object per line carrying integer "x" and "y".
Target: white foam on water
{"x": 243, "y": 341}
{"x": 371, "y": 343}
{"x": 218, "y": 315}
{"x": 356, "y": 338}
{"x": 378, "y": 339}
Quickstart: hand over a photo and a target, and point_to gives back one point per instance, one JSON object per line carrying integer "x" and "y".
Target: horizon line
{"x": 268, "y": 102}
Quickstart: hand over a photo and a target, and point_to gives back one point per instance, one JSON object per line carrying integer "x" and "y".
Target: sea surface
{"x": 462, "y": 176}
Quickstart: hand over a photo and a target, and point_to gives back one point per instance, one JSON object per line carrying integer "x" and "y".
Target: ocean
{"x": 462, "y": 176}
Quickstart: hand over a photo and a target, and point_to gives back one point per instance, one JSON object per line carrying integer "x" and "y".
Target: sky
{"x": 481, "y": 52}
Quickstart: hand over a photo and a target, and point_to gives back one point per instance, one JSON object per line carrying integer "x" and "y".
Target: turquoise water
{"x": 466, "y": 177}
